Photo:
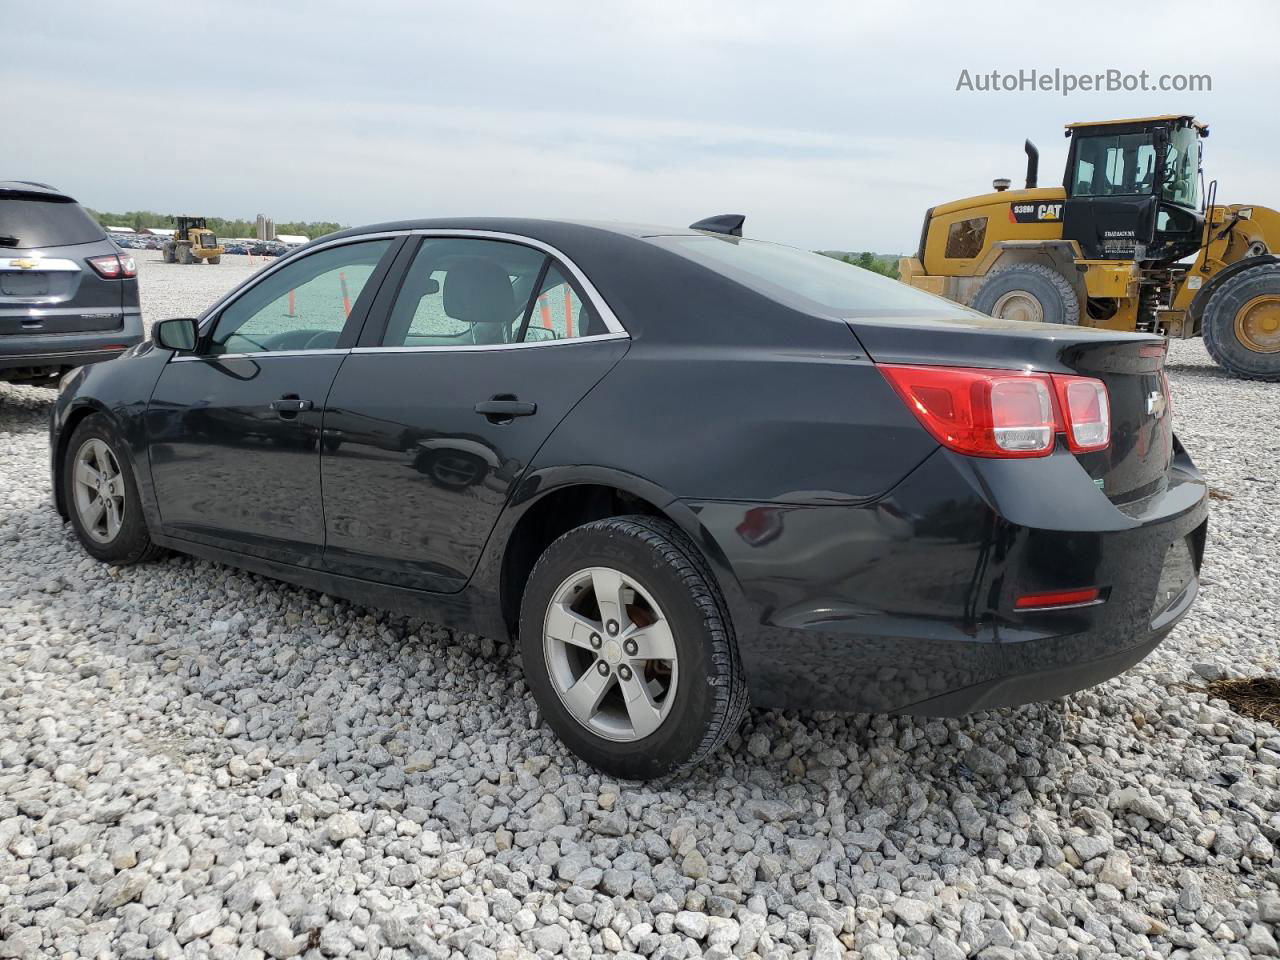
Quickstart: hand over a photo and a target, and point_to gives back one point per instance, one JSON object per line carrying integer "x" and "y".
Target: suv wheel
{"x": 628, "y": 648}
{"x": 102, "y": 496}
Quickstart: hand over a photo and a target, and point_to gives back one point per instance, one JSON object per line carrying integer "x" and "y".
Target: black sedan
{"x": 687, "y": 470}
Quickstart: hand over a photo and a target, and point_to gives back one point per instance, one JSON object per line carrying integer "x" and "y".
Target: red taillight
{"x": 1004, "y": 413}
{"x": 128, "y": 267}
{"x": 110, "y": 267}
{"x": 1088, "y": 412}
{"x": 1058, "y": 598}
{"x": 984, "y": 413}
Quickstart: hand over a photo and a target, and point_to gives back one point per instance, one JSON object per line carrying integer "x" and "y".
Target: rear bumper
{"x": 906, "y": 605}
{"x": 51, "y": 352}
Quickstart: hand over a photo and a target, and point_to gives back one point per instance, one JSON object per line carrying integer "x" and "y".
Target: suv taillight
{"x": 1004, "y": 413}
{"x": 114, "y": 266}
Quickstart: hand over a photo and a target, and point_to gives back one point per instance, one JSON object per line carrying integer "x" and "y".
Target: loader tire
{"x": 184, "y": 255}
{"x": 1028, "y": 292}
{"x": 217, "y": 259}
{"x": 1241, "y": 323}
{"x": 169, "y": 256}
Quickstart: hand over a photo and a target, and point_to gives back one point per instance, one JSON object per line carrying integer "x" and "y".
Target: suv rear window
{"x": 45, "y": 223}
{"x": 806, "y": 281}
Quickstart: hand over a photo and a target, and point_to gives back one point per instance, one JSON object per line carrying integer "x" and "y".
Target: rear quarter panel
{"x": 751, "y": 423}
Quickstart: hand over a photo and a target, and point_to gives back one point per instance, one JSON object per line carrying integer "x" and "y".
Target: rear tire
{"x": 217, "y": 259}
{"x": 1028, "y": 292}
{"x": 184, "y": 255}
{"x": 652, "y": 717}
{"x": 117, "y": 532}
{"x": 1241, "y": 323}
{"x": 168, "y": 254}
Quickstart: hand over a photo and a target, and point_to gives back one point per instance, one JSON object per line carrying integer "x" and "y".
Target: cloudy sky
{"x": 828, "y": 125}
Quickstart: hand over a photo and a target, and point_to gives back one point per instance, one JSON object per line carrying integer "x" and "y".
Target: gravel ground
{"x": 199, "y": 762}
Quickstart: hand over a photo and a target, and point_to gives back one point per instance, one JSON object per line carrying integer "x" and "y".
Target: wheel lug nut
{"x": 631, "y": 647}
{"x": 595, "y": 641}
{"x": 603, "y": 668}
{"x": 612, "y": 627}
{"x": 624, "y": 672}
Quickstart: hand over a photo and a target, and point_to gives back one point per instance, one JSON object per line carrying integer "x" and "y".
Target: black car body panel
{"x": 864, "y": 566}
{"x": 56, "y": 311}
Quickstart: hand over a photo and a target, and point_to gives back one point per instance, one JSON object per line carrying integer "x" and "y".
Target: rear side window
{"x": 807, "y": 281}
{"x": 462, "y": 292}
{"x": 561, "y": 312}
{"x": 30, "y": 223}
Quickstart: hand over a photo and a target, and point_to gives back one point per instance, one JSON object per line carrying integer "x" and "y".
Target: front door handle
{"x": 288, "y": 407}
{"x": 504, "y": 408}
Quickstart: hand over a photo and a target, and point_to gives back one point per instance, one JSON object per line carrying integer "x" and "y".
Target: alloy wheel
{"x": 610, "y": 654}
{"x": 99, "y": 490}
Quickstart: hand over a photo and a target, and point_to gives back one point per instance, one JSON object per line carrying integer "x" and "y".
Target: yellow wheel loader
{"x": 1127, "y": 243}
{"x": 192, "y": 242}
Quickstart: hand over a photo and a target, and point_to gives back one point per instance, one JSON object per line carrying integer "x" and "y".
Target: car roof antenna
{"x": 729, "y": 223}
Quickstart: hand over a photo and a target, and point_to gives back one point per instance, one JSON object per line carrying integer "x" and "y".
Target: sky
{"x": 829, "y": 125}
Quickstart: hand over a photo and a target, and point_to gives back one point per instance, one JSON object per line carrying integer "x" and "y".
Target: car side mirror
{"x": 180, "y": 334}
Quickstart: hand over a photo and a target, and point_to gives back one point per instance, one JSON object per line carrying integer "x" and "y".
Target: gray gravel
{"x": 197, "y": 762}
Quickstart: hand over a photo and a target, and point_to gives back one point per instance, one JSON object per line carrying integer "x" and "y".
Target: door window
{"x": 302, "y": 306}
{"x": 464, "y": 292}
{"x": 1114, "y": 166}
{"x": 560, "y": 312}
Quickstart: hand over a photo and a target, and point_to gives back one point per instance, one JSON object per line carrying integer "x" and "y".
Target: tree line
{"x": 884, "y": 264}
{"x": 140, "y": 220}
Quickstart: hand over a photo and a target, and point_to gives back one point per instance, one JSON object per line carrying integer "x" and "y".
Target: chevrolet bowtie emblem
{"x": 1156, "y": 404}
{"x": 24, "y": 264}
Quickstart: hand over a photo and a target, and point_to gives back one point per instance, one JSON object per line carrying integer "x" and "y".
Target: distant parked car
{"x": 68, "y": 294}
{"x": 683, "y": 470}
{"x": 239, "y": 249}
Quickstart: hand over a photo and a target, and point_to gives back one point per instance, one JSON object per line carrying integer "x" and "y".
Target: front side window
{"x": 302, "y": 306}
{"x": 464, "y": 292}
{"x": 965, "y": 238}
{"x": 806, "y": 281}
{"x": 1182, "y": 167}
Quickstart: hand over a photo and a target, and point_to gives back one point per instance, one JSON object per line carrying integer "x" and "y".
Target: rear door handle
{"x": 503, "y": 409}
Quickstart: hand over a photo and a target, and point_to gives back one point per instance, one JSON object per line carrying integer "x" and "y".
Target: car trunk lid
{"x": 1136, "y": 463}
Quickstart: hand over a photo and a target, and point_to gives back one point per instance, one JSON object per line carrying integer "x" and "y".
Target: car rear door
{"x": 234, "y": 428}
{"x": 460, "y": 376}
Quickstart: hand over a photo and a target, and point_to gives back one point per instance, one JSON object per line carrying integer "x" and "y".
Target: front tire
{"x": 101, "y": 495}
{"x": 1241, "y": 325}
{"x": 1028, "y": 292}
{"x": 629, "y": 650}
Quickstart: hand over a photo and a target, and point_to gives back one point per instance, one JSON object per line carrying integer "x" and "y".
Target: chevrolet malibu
{"x": 685, "y": 470}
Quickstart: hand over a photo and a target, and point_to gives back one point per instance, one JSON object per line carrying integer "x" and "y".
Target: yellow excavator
{"x": 192, "y": 242}
{"x": 1130, "y": 241}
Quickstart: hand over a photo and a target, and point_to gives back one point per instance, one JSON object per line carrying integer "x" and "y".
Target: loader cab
{"x": 1132, "y": 189}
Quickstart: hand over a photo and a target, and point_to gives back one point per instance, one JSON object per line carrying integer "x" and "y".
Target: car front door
{"x": 459, "y": 378}
{"x": 234, "y": 429}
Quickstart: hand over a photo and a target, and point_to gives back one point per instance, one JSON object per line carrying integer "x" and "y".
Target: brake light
{"x": 1058, "y": 598}
{"x": 112, "y": 267}
{"x": 1088, "y": 412}
{"x": 983, "y": 413}
{"x": 1004, "y": 413}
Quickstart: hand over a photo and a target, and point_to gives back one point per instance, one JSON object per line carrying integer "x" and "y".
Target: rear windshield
{"x": 807, "y": 281}
{"x": 45, "y": 223}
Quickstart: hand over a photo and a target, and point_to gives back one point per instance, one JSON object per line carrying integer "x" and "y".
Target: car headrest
{"x": 589, "y": 323}
{"x": 477, "y": 290}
